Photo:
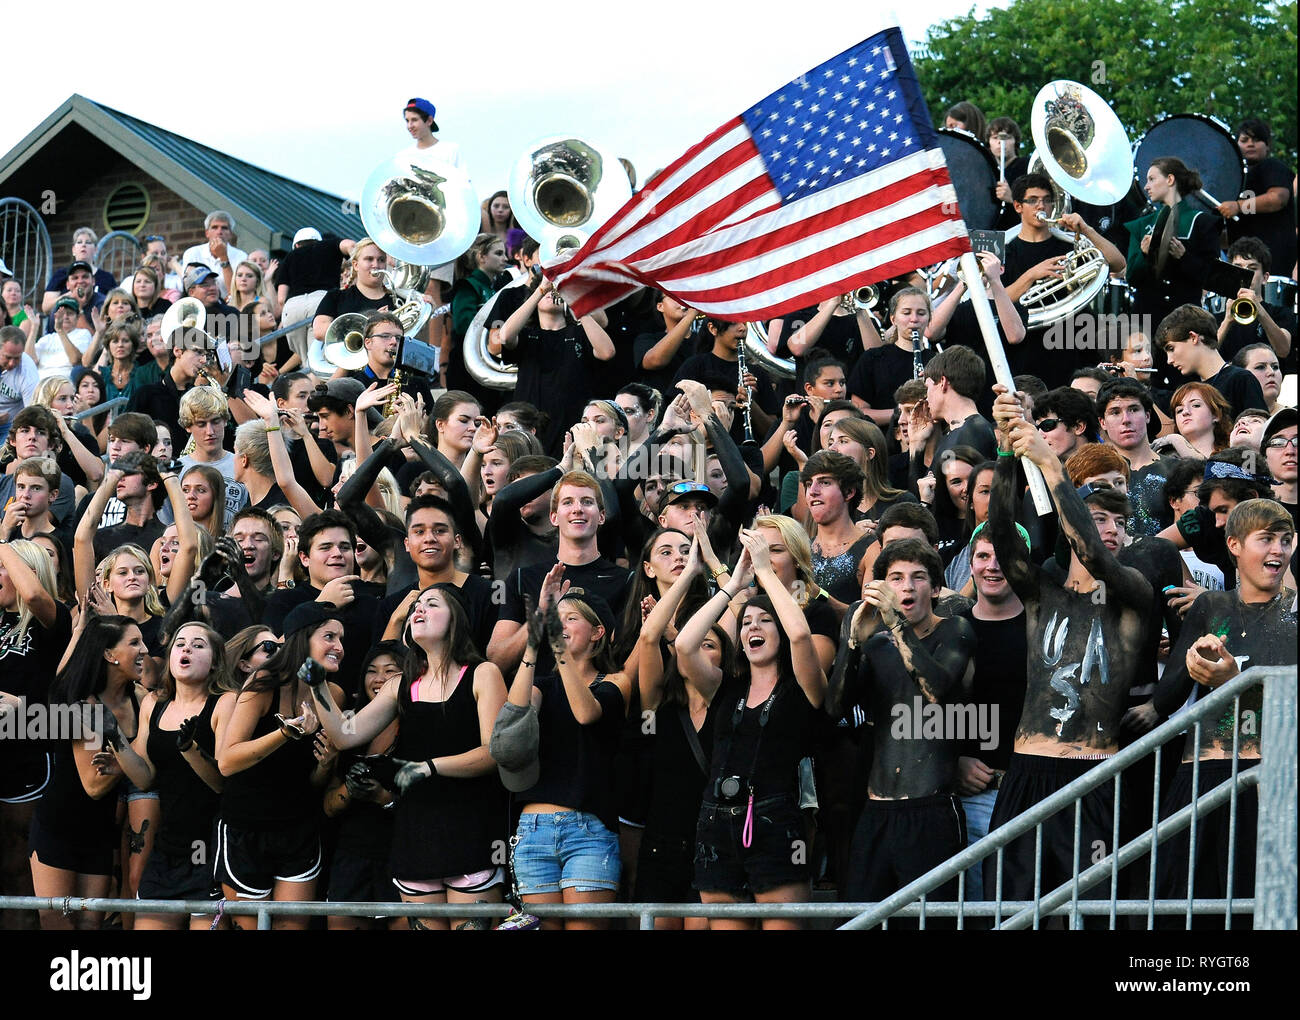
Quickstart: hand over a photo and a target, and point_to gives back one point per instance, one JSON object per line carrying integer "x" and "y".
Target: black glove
{"x": 185, "y": 734}
{"x": 312, "y": 673}
{"x": 536, "y": 623}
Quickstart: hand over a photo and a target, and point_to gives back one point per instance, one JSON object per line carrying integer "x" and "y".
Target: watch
{"x": 225, "y": 265}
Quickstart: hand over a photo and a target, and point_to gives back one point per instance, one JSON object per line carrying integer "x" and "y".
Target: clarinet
{"x": 917, "y": 367}
{"x": 749, "y": 396}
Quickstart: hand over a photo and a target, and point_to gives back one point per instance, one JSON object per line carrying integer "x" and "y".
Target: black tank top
{"x": 188, "y": 803}
{"x": 678, "y": 781}
{"x": 66, "y": 810}
{"x": 276, "y": 793}
{"x": 445, "y": 827}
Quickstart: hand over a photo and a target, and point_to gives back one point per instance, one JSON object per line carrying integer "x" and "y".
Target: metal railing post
{"x": 1275, "y": 846}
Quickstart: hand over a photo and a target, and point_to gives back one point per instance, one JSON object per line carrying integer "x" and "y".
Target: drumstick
{"x": 1002, "y": 171}
{"x": 1214, "y": 202}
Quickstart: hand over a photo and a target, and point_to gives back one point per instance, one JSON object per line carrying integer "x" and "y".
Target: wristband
{"x": 1006, "y": 453}
{"x": 433, "y": 769}
{"x": 272, "y": 428}
{"x": 525, "y": 662}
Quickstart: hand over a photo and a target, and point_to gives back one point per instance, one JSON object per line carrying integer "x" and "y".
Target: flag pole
{"x": 979, "y": 299}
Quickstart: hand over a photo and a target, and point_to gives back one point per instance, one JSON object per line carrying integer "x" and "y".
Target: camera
{"x": 728, "y": 787}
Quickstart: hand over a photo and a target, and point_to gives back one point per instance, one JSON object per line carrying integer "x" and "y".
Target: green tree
{"x": 1148, "y": 58}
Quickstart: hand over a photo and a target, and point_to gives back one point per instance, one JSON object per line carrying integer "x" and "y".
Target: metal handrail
{"x": 1067, "y": 796}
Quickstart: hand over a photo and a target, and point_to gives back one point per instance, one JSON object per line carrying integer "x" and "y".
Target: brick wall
{"x": 169, "y": 214}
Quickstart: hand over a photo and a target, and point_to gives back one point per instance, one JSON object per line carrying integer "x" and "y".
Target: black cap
{"x": 596, "y": 604}
{"x": 309, "y": 615}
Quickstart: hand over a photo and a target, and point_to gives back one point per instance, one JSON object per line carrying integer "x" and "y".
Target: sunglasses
{"x": 1048, "y": 424}
{"x": 268, "y": 646}
{"x": 154, "y": 237}
{"x": 682, "y": 487}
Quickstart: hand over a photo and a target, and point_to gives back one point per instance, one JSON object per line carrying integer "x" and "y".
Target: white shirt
{"x": 52, "y": 359}
{"x": 201, "y": 253}
{"x": 446, "y": 153}
{"x": 18, "y": 385}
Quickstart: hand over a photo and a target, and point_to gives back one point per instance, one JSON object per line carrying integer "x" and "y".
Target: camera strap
{"x": 736, "y": 717}
{"x": 693, "y": 738}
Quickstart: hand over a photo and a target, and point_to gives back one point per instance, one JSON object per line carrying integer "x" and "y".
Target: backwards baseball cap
{"x": 195, "y": 273}
{"x": 423, "y": 106}
{"x": 690, "y": 490}
{"x": 343, "y": 391}
{"x": 1285, "y": 418}
{"x": 596, "y": 604}
{"x": 309, "y": 614}
{"x": 306, "y": 234}
{"x": 79, "y": 265}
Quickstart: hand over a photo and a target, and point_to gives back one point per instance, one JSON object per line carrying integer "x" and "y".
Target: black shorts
{"x": 355, "y": 879}
{"x": 898, "y": 841}
{"x": 176, "y": 877}
{"x": 252, "y": 862}
{"x": 25, "y": 779}
{"x": 69, "y": 854}
{"x": 1029, "y": 779}
{"x": 777, "y": 854}
{"x": 664, "y": 870}
{"x": 1210, "y": 876}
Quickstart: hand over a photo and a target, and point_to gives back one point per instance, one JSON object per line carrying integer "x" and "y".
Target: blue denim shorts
{"x": 568, "y": 850}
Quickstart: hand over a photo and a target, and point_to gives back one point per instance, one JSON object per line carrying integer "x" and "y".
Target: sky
{"x": 316, "y": 94}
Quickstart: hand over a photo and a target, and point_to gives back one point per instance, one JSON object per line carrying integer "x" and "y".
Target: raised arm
{"x": 1020, "y": 571}
{"x": 348, "y": 730}
{"x": 83, "y": 542}
{"x": 264, "y": 408}
{"x": 27, "y": 586}
{"x": 187, "y": 539}
{"x": 807, "y": 666}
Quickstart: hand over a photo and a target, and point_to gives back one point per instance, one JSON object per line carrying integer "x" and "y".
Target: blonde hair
{"x": 48, "y": 389}
{"x": 106, "y": 566}
{"x": 259, "y": 288}
{"x": 357, "y": 249}
{"x": 216, "y": 522}
{"x": 38, "y": 560}
{"x": 390, "y": 492}
{"x": 796, "y": 540}
{"x": 202, "y": 402}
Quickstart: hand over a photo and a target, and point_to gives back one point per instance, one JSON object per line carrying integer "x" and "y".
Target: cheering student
{"x": 74, "y": 831}
{"x": 268, "y": 839}
{"x": 909, "y": 660}
{"x": 1224, "y": 633}
{"x": 451, "y": 816}
{"x": 750, "y": 830}
{"x": 1079, "y": 672}
{"x": 175, "y": 751}
{"x": 833, "y": 486}
{"x": 677, "y": 686}
{"x": 34, "y": 630}
{"x": 554, "y": 743}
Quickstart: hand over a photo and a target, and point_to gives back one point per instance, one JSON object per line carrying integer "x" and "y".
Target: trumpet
{"x": 864, "y": 299}
{"x": 1243, "y": 310}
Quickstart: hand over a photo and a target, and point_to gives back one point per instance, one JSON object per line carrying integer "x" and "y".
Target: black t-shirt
{"x": 1146, "y": 495}
{"x": 605, "y": 578}
{"x": 1001, "y": 653}
{"x": 976, "y": 431}
{"x": 1238, "y": 387}
{"x": 660, "y": 378}
{"x": 1031, "y": 356}
{"x": 143, "y": 535}
{"x": 880, "y": 371}
{"x": 577, "y": 762}
{"x": 1275, "y": 229}
{"x": 339, "y": 302}
{"x": 841, "y": 339}
{"x": 1207, "y": 540}
{"x": 480, "y": 608}
{"x": 1239, "y": 336}
{"x": 554, "y": 376}
{"x": 313, "y": 267}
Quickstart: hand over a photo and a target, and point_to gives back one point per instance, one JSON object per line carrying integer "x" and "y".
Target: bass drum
{"x": 1205, "y": 144}
{"x": 1116, "y": 298}
{"x": 974, "y": 174}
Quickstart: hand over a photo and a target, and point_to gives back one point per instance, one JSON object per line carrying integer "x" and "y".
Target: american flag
{"x": 834, "y": 181}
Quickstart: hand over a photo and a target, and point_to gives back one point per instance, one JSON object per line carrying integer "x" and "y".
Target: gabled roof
{"x": 268, "y": 203}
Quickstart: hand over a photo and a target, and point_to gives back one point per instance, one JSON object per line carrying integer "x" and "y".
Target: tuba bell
{"x": 757, "y": 352}
{"x": 424, "y": 214}
{"x": 482, "y": 365}
{"x": 1085, "y": 153}
{"x": 188, "y": 314}
{"x": 563, "y": 188}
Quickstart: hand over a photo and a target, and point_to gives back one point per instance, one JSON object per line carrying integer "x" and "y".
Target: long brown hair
{"x": 166, "y": 690}
{"x": 1219, "y": 407}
